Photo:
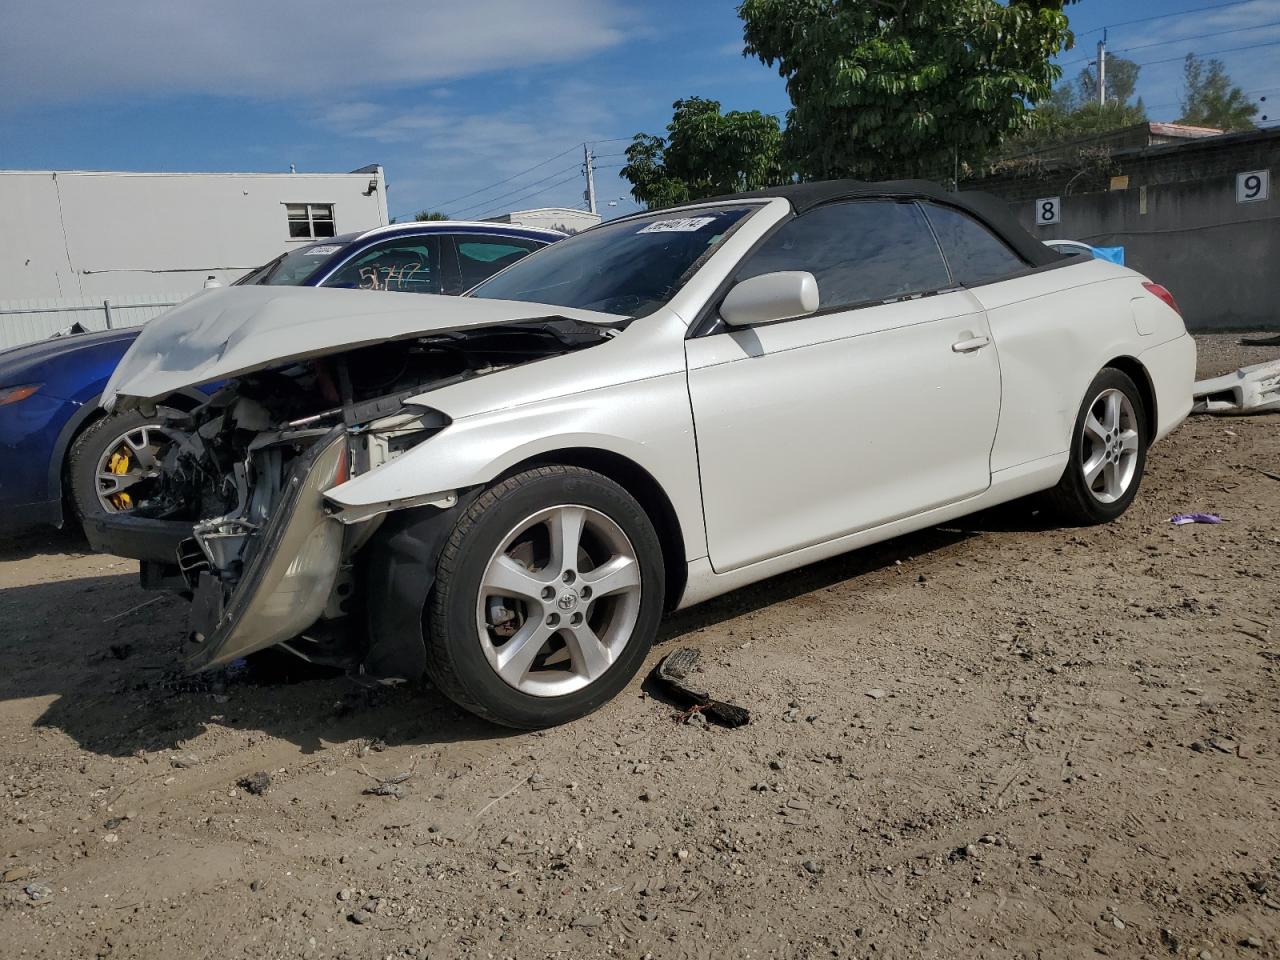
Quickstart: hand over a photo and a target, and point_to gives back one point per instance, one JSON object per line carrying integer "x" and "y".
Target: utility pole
{"x": 1102, "y": 70}
{"x": 588, "y": 167}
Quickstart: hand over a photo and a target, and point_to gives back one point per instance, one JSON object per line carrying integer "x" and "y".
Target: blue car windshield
{"x": 293, "y": 268}
{"x": 630, "y": 268}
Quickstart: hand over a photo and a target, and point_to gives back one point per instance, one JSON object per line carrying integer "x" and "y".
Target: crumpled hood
{"x": 224, "y": 333}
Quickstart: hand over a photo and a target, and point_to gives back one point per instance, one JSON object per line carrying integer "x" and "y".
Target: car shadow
{"x": 1020, "y": 516}
{"x": 42, "y": 541}
{"x": 105, "y": 655}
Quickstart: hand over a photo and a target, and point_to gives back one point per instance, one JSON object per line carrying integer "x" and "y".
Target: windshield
{"x": 629, "y": 268}
{"x": 293, "y": 268}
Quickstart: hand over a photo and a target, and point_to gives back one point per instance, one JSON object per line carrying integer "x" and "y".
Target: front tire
{"x": 1108, "y": 453}
{"x": 114, "y": 463}
{"x": 547, "y": 598}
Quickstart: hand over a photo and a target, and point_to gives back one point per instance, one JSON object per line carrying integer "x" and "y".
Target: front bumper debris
{"x": 1254, "y": 389}
{"x": 289, "y": 574}
{"x": 139, "y": 538}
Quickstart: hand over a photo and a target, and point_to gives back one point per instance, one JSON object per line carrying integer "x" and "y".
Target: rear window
{"x": 974, "y": 254}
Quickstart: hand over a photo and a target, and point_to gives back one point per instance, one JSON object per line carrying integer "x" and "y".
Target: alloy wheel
{"x": 1110, "y": 446}
{"x": 130, "y": 460}
{"x": 558, "y": 601}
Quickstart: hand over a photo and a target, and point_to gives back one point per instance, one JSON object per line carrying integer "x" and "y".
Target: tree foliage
{"x": 1211, "y": 100}
{"x": 887, "y": 89}
{"x": 1121, "y": 81}
{"x": 1072, "y": 111}
{"x": 423, "y": 216}
{"x": 704, "y": 153}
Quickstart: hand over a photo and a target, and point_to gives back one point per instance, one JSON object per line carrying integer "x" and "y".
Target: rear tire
{"x": 1108, "y": 453}
{"x": 547, "y": 598}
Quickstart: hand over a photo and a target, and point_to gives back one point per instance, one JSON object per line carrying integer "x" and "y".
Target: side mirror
{"x": 770, "y": 297}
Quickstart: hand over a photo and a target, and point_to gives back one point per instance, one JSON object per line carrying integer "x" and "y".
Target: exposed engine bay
{"x": 240, "y": 487}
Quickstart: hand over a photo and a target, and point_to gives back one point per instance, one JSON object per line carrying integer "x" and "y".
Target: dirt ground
{"x": 991, "y": 739}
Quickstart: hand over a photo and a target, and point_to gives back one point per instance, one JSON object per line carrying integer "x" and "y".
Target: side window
{"x": 404, "y": 265}
{"x": 974, "y": 254}
{"x": 860, "y": 251}
{"x": 480, "y": 257}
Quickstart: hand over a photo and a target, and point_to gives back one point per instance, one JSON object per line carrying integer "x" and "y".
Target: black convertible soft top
{"x": 990, "y": 210}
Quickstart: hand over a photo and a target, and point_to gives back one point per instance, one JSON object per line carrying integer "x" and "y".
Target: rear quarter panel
{"x": 1054, "y": 330}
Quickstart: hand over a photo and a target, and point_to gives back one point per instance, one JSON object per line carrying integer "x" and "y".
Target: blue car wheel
{"x": 115, "y": 464}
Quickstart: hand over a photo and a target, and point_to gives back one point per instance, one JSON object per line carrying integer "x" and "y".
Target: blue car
{"x": 58, "y": 448}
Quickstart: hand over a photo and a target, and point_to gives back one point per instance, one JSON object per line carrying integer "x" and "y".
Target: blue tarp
{"x": 1114, "y": 254}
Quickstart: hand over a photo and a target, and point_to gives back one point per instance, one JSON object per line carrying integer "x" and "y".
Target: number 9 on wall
{"x": 1252, "y": 186}
{"x": 1048, "y": 211}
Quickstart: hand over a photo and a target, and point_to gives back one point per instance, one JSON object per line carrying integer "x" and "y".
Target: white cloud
{"x": 69, "y": 51}
{"x": 440, "y": 151}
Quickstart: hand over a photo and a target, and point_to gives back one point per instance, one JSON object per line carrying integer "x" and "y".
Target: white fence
{"x": 25, "y": 321}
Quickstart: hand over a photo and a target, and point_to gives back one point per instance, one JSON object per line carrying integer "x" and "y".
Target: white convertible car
{"x": 505, "y": 491}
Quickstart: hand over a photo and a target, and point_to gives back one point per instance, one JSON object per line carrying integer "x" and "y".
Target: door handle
{"x": 970, "y": 345}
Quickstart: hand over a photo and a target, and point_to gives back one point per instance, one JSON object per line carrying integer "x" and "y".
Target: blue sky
{"x": 453, "y": 97}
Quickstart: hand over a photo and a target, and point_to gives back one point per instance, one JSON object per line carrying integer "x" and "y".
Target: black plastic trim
{"x": 396, "y": 577}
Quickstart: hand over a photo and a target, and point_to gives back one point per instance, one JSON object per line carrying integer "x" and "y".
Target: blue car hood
{"x": 29, "y": 356}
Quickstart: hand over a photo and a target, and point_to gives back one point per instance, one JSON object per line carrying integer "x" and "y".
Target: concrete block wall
{"x": 1179, "y": 222}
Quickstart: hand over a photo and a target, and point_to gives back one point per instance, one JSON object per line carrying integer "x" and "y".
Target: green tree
{"x": 1072, "y": 111}
{"x": 1122, "y": 80}
{"x": 423, "y": 216}
{"x": 894, "y": 88}
{"x": 704, "y": 153}
{"x": 1211, "y": 100}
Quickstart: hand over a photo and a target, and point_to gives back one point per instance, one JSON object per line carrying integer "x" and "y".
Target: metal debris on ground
{"x": 392, "y": 786}
{"x": 396, "y": 790}
{"x": 1181, "y": 518}
{"x": 134, "y": 609}
{"x": 256, "y": 783}
{"x": 673, "y": 673}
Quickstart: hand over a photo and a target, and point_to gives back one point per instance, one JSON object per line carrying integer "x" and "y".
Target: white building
{"x": 565, "y": 219}
{"x": 77, "y": 238}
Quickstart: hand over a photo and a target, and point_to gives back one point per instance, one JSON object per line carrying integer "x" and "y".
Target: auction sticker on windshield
{"x": 678, "y": 225}
{"x": 323, "y": 251}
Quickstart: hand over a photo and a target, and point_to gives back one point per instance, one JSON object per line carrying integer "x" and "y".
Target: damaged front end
{"x": 239, "y": 522}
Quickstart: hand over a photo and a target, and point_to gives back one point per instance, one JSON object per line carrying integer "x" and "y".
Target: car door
{"x": 881, "y": 405}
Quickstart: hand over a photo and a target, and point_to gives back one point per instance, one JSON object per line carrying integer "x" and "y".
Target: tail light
{"x": 1161, "y": 293}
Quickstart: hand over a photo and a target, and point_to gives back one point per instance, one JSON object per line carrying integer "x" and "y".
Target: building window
{"x": 309, "y": 221}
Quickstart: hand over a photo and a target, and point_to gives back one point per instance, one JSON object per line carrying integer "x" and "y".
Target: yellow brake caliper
{"x": 119, "y": 465}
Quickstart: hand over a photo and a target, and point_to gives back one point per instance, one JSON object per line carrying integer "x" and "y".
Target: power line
{"x": 1247, "y": 93}
{"x": 492, "y": 200}
{"x": 576, "y": 146}
{"x": 530, "y": 196}
{"x": 516, "y": 176}
{"x": 1166, "y": 16}
{"x": 1201, "y": 36}
{"x": 1206, "y": 53}
{"x": 1210, "y": 53}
